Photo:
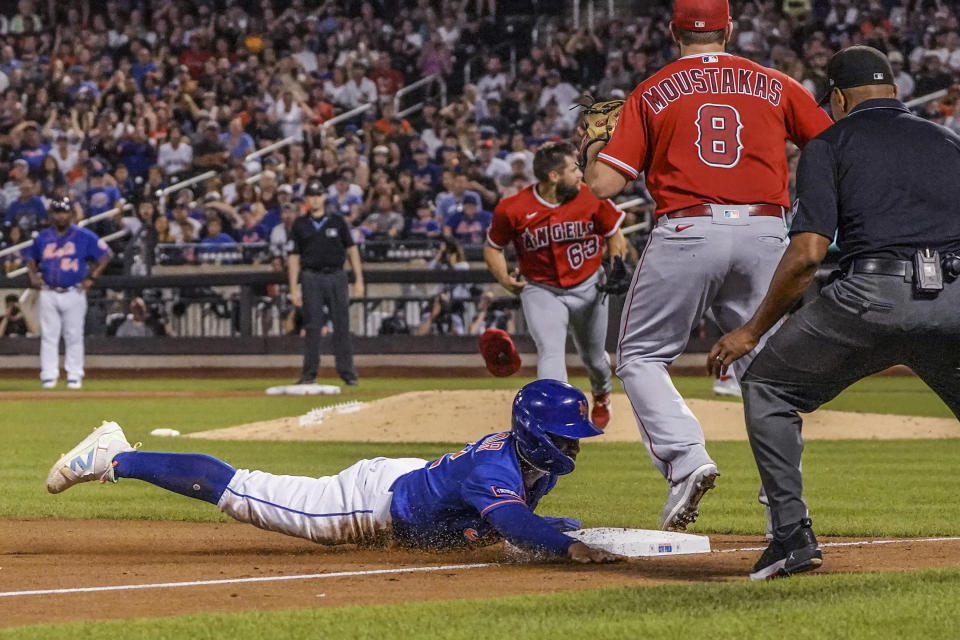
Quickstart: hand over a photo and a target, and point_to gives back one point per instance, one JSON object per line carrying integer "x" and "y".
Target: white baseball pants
{"x": 62, "y": 313}
{"x": 690, "y": 265}
{"x": 581, "y": 310}
{"x": 350, "y": 507}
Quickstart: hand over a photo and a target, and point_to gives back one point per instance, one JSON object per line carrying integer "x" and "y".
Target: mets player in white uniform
{"x": 57, "y": 264}
{"x": 484, "y": 493}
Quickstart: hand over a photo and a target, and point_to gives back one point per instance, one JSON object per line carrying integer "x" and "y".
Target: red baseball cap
{"x": 701, "y": 15}
{"x": 499, "y": 353}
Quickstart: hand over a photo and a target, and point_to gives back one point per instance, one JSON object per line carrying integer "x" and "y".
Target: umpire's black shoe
{"x": 797, "y": 553}
{"x": 350, "y": 381}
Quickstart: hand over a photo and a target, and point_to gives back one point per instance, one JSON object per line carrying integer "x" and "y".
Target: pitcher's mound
{"x": 465, "y": 415}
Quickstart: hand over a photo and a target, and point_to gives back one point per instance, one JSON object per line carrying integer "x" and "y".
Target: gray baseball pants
{"x": 859, "y": 325}
{"x": 690, "y": 265}
{"x": 551, "y": 312}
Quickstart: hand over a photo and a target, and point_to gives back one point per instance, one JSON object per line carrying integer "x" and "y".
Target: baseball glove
{"x": 617, "y": 282}
{"x": 599, "y": 121}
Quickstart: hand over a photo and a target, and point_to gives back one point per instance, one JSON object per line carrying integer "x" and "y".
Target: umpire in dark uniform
{"x": 885, "y": 182}
{"x": 321, "y": 243}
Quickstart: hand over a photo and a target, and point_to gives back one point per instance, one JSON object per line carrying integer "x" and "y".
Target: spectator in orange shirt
{"x": 388, "y": 112}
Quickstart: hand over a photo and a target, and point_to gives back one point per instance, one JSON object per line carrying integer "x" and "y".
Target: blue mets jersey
{"x": 445, "y": 503}
{"x": 62, "y": 260}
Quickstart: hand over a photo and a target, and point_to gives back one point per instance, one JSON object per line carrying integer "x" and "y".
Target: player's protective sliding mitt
{"x": 499, "y": 353}
{"x": 599, "y": 121}
{"x": 618, "y": 280}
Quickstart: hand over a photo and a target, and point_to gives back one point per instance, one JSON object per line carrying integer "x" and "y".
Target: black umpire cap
{"x": 857, "y": 66}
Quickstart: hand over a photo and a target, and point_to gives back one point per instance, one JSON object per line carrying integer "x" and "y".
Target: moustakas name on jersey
{"x": 449, "y": 502}
{"x": 62, "y": 259}
{"x": 557, "y": 244}
{"x": 700, "y": 128}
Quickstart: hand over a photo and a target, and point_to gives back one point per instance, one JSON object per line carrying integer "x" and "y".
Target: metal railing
{"x": 183, "y": 184}
{"x": 348, "y": 115}
{"x": 279, "y": 144}
{"x": 611, "y": 11}
{"x": 86, "y": 221}
{"x": 211, "y": 253}
{"x": 640, "y": 226}
{"x": 423, "y": 82}
{"x": 930, "y": 97}
{"x": 206, "y": 175}
{"x": 257, "y": 177}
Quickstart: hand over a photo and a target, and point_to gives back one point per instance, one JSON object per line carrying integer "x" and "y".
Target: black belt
{"x": 323, "y": 269}
{"x": 61, "y": 289}
{"x": 704, "y": 210}
{"x": 882, "y": 267}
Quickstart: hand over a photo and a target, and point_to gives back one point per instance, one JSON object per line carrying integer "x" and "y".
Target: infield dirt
{"x": 63, "y": 554}
{"x": 465, "y": 415}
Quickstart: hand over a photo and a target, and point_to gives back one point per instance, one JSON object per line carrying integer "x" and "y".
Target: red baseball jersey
{"x": 707, "y": 128}
{"x": 557, "y": 244}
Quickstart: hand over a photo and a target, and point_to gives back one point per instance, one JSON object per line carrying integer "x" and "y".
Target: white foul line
{"x": 205, "y": 583}
{"x": 848, "y": 544}
{"x": 378, "y": 572}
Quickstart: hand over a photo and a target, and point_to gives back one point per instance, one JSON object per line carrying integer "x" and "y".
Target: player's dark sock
{"x": 190, "y": 474}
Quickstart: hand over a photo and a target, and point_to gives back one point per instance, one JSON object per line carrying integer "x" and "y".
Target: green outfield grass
{"x": 864, "y": 607}
{"x": 882, "y": 394}
{"x": 855, "y": 488}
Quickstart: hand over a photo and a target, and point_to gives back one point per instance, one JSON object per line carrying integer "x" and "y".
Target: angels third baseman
{"x": 708, "y": 131}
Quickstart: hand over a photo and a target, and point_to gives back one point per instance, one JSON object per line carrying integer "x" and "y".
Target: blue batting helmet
{"x": 548, "y": 408}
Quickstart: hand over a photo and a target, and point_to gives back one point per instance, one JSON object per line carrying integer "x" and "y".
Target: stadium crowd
{"x": 108, "y": 103}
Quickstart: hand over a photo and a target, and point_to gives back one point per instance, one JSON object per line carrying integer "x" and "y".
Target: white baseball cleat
{"x": 683, "y": 498}
{"x": 48, "y": 384}
{"x": 92, "y": 459}
{"x": 727, "y": 386}
{"x": 74, "y": 384}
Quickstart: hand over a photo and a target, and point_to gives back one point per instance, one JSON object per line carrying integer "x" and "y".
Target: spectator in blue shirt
{"x": 136, "y": 153}
{"x": 344, "y": 201}
{"x": 28, "y": 211}
{"x": 214, "y": 233}
{"x": 142, "y": 66}
{"x": 237, "y": 142}
{"x": 252, "y": 230}
{"x": 425, "y": 224}
{"x": 126, "y": 185}
{"x": 425, "y": 172}
{"x": 450, "y": 202}
{"x": 81, "y": 88}
{"x": 32, "y": 149}
{"x": 469, "y": 224}
{"x": 101, "y": 196}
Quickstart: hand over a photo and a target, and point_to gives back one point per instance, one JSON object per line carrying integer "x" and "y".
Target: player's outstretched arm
{"x": 585, "y": 554}
{"x": 523, "y": 528}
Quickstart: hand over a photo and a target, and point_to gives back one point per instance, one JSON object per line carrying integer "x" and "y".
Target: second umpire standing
{"x": 885, "y": 181}
{"x": 321, "y": 244}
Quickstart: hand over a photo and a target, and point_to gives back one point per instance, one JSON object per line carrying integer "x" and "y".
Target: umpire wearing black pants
{"x": 885, "y": 181}
{"x": 321, "y": 243}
